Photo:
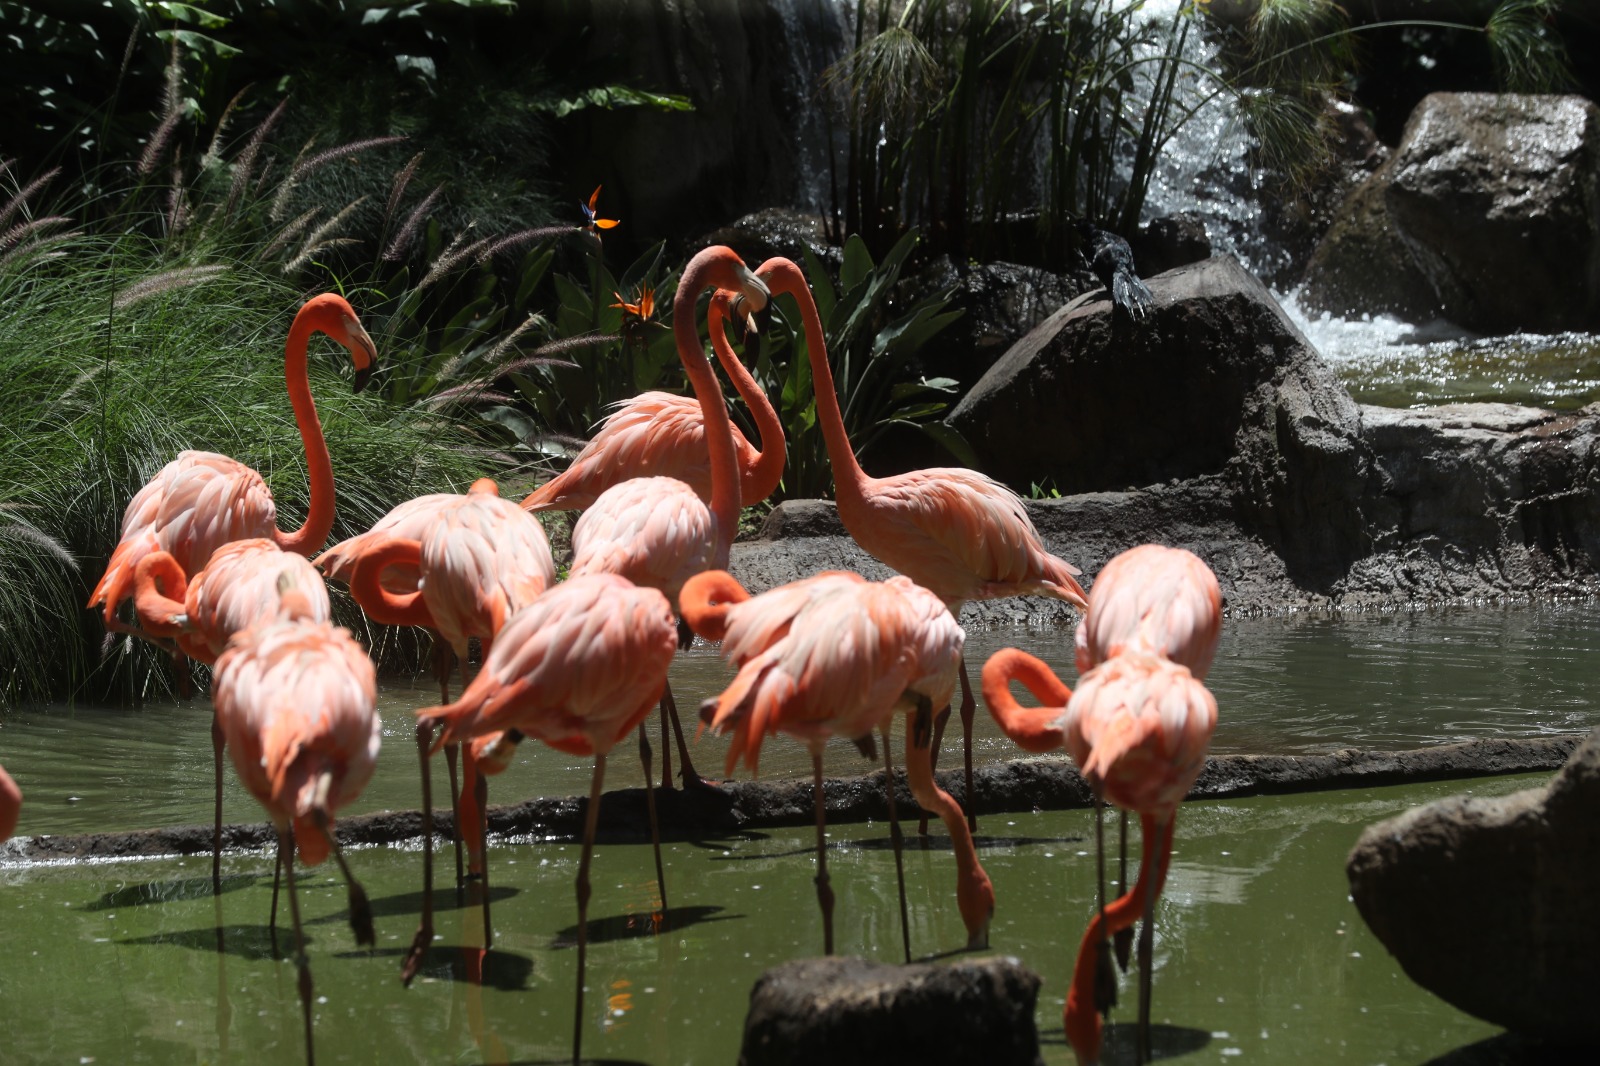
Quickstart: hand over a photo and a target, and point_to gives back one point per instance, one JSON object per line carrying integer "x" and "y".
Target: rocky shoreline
{"x": 1022, "y": 785}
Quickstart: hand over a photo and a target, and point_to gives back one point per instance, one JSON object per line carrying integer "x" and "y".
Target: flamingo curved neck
{"x": 313, "y": 533}
{"x": 705, "y": 600}
{"x": 725, "y": 502}
{"x": 1034, "y": 729}
{"x": 974, "y": 891}
{"x": 761, "y": 479}
{"x": 381, "y": 605}
{"x": 849, "y": 480}
{"x": 156, "y": 610}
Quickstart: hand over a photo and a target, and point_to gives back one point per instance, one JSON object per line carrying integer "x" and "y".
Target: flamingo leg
{"x": 898, "y": 842}
{"x": 1141, "y": 1052}
{"x": 455, "y": 813}
{"x": 1124, "y": 937}
{"x": 360, "y": 907}
{"x": 216, "y": 829}
{"x": 969, "y": 707}
{"x": 590, "y": 820}
{"x": 650, "y": 803}
{"x": 691, "y": 779}
{"x": 666, "y": 742}
{"x": 480, "y": 789}
{"x": 939, "y": 722}
{"x": 301, "y": 961}
{"x": 424, "y": 935}
{"x": 824, "y": 889}
{"x": 272, "y": 918}
{"x": 1105, "y": 979}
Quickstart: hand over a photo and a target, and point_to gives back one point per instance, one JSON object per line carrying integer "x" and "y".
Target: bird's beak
{"x": 363, "y": 353}
{"x": 754, "y": 290}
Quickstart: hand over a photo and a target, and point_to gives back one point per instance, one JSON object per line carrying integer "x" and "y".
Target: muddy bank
{"x": 1024, "y": 785}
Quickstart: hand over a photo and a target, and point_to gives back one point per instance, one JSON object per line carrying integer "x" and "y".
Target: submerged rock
{"x": 1488, "y": 903}
{"x": 846, "y": 1011}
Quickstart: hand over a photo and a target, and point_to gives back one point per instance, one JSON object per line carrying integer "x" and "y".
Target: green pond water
{"x": 1260, "y": 956}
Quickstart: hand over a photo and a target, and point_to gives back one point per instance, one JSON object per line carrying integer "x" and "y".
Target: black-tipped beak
{"x": 363, "y": 375}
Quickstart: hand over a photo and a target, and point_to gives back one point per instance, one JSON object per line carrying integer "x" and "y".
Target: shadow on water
{"x": 1508, "y": 1049}
{"x": 166, "y": 891}
{"x": 504, "y": 971}
{"x": 726, "y": 844}
{"x": 643, "y": 924}
{"x": 1166, "y": 1041}
{"x": 249, "y": 942}
{"x": 410, "y": 903}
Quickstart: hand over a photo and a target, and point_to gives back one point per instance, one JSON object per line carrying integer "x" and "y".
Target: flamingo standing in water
{"x": 201, "y": 500}
{"x": 952, "y": 530}
{"x": 241, "y": 584}
{"x": 657, "y": 497}
{"x": 1138, "y": 727}
{"x": 297, "y": 700}
{"x": 579, "y": 668}
{"x": 406, "y": 521}
{"x": 477, "y": 562}
{"x": 835, "y": 654}
{"x": 10, "y": 804}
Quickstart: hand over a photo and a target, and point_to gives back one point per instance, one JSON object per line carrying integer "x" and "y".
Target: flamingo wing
{"x": 481, "y": 562}
{"x": 960, "y": 534}
{"x": 405, "y": 522}
{"x": 1162, "y": 600}
{"x": 653, "y": 531}
{"x": 243, "y": 583}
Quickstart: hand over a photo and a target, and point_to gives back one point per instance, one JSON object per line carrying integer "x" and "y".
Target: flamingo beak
{"x": 753, "y": 289}
{"x": 363, "y": 353}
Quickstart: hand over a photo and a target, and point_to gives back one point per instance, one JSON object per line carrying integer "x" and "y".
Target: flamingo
{"x": 646, "y": 523}
{"x": 579, "y": 668}
{"x": 663, "y": 434}
{"x": 10, "y": 804}
{"x": 202, "y": 500}
{"x": 477, "y": 562}
{"x": 242, "y": 583}
{"x": 656, "y": 530}
{"x": 1163, "y": 600}
{"x": 952, "y": 530}
{"x": 405, "y": 521}
{"x": 836, "y": 654}
{"x": 297, "y": 700}
{"x": 1138, "y": 728}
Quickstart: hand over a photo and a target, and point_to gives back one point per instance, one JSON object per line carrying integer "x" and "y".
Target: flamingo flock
{"x": 580, "y": 663}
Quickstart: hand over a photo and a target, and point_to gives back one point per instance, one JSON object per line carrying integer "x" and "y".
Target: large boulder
{"x": 1488, "y": 214}
{"x": 850, "y": 1012}
{"x": 1215, "y": 381}
{"x": 1488, "y": 903}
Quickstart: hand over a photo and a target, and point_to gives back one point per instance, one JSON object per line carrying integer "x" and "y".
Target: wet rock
{"x": 770, "y": 232}
{"x": 999, "y": 303}
{"x": 1168, "y": 243}
{"x": 846, "y": 1011}
{"x": 1046, "y": 783}
{"x": 1498, "y": 197}
{"x": 1487, "y": 903}
{"x": 1488, "y": 214}
{"x": 1215, "y": 381}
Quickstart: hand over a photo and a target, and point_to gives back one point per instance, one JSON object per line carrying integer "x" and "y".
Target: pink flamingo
{"x": 836, "y": 654}
{"x": 297, "y": 700}
{"x": 579, "y": 668}
{"x": 477, "y": 562}
{"x": 406, "y": 521}
{"x": 1138, "y": 725}
{"x": 952, "y": 530}
{"x": 241, "y": 584}
{"x": 201, "y": 500}
{"x": 10, "y": 804}
{"x": 661, "y": 434}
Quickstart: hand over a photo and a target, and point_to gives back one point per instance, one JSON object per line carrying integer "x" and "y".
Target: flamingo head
{"x": 330, "y": 313}
{"x": 721, "y": 267}
{"x": 975, "y": 897}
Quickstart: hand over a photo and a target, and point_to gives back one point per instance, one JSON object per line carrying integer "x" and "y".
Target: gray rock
{"x": 1498, "y": 197}
{"x": 845, "y": 1012}
{"x": 999, "y": 302}
{"x": 1488, "y": 214}
{"x": 1488, "y": 903}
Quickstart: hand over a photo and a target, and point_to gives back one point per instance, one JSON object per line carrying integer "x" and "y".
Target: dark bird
{"x": 1112, "y": 261}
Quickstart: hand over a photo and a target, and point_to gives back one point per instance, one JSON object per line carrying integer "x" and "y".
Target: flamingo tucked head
{"x": 330, "y": 313}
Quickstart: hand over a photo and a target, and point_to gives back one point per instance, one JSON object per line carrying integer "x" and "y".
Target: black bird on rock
{"x": 1112, "y": 261}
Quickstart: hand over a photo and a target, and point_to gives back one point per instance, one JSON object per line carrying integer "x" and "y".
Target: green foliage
{"x": 872, "y": 350}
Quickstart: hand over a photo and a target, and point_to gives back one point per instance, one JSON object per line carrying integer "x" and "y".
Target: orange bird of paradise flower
{"x": 592, "y": 221}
